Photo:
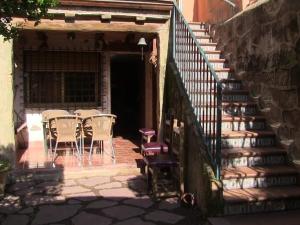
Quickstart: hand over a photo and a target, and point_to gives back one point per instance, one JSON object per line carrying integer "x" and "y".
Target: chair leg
{"x": 91, "y": 150}
{"x": 54, "y": 154}
{"x": 78, "y": 153}
{"x": 113, "y": 154}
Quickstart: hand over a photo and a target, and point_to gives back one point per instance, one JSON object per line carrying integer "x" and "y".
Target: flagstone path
{"x": 102, "y": 200}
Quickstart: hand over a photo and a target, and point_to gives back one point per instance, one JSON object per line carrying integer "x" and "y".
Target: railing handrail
{"x": 230, "y": 3}
{"x": 198, "y": 46}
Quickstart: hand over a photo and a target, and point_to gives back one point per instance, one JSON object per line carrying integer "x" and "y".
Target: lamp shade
{"x": 142, "y": 42}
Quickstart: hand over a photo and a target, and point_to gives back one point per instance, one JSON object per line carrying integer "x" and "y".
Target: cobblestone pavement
{"x": 105, "y": 200}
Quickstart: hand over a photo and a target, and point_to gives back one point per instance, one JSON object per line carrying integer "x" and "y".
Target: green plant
{"x": 5, "y": 165}
{"x": 27, "y": 9}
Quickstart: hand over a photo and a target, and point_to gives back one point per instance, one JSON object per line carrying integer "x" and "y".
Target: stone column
{"x": 7, "y": 135}
{"x": 163, "y": 57}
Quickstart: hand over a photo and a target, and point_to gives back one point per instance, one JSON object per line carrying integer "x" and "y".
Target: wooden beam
{"x": 86, "y": 26}
{"x": 145, "y": 5}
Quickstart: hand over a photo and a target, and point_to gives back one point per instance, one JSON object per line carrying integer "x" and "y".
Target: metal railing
{"x": 201, "y": 84}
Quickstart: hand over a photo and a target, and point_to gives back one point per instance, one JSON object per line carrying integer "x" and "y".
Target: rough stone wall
{"x": 262, "y": 46}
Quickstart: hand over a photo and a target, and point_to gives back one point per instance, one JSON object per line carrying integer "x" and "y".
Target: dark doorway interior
{"x": 127, "y": 93}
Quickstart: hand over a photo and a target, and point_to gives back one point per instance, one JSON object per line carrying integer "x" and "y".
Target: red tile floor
{"x": 127, "y": 153}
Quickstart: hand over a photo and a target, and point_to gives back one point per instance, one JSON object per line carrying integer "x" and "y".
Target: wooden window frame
{"x": 62, "y": 104}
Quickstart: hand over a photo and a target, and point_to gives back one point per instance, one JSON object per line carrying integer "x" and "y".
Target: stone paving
{"x": 102, "y": 200}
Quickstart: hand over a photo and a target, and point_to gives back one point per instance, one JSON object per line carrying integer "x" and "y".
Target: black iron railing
{"x": 201, "y": 84}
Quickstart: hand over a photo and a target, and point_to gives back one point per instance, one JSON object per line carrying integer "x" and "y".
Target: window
{"x": 62, "y": 78}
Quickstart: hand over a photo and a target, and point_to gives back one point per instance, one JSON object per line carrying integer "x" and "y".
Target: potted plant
{"x": 5, "y": 167}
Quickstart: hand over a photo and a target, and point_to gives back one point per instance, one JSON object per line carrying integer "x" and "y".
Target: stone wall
{"x": 262, "y": 46}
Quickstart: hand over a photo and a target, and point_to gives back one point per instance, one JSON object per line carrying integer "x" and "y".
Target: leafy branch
{"x": 27, "y": 9}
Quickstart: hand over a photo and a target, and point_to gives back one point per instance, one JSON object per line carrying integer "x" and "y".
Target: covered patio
{"x": 34, "y": 157}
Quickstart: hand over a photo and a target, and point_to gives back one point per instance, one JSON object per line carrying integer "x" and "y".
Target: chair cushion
{"x": 154, "y": 147}
{"x": 147, "y": 131}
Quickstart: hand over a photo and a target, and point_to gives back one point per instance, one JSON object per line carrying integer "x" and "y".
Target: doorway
{"x": 127, "y": 94}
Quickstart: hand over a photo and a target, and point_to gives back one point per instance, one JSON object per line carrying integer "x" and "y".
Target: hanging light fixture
{"x": 142, "y": 43}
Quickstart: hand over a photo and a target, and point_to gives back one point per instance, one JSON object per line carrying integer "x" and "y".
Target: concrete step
{"x": 199, "y": 31}
{"x": 204, "y": 38}
{"x": 234, "y": 123}
{"x": 227, "y": 84}
{"x": 230, "y": 109}
{"x": 230, "y": 123}
{"x": 243, "y": 139}
{"x": 222, "y": 73}
{"x": 239, "y": 108}
{"x": 216, "y": 63}
{"x": 258, "y": 177}
{"x": 270, "y": 218}
{"x": 208, "y": 46}
{"x": 235, "y": 157}
{"x": 190, "y": 55}
{"x": 254, "y": 200}
{"x": 226, "y": 96}
{"x": 197, "y": 25}
{"x": 213, "y": 54}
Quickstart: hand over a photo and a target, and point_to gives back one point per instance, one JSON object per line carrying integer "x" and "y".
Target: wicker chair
{"x": 87, "y": 112}
{"x": 100, "y": 130}
{"x": 46, "y": 115}
{"x": 67, "y": 130}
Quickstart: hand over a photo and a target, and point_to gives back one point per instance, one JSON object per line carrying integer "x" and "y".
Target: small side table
{"x": 160, "y": 179}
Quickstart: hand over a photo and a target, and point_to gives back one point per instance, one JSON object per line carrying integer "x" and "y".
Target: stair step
{"x": 239, "y": 110}
{"x": 239, "y": 139}
{"x": 258, "y": 177}
{"x": 227, "y": 84}
{"x": 211, "y": 46}
{"x": 226, "y": 97}
{"x": 258, "y": 171}
{"x": 217, "y": 63}
{"x": 230, "y": 123}
{"x": 254, "y": 200}
{"x": 235, "y": 157}
{"x": 200, "y": 32}
{"x": 197, "y": 25}
{"x": 233, "y": 109}
{"x": 204, "y": 39}
{"x": 213, "y": 54}
{"x": 274, "y": 218}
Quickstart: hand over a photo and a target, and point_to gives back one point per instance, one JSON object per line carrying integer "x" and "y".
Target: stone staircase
{"x": 257, "y": 175}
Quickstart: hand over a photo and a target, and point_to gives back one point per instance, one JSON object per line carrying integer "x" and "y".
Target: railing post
{"x": 218, "y": 132}
{"x": 174, "y": 34}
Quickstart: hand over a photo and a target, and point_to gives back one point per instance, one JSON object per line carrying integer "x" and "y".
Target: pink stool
{"x": 147, "y": 134}
{"x": 153, "y": 148}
